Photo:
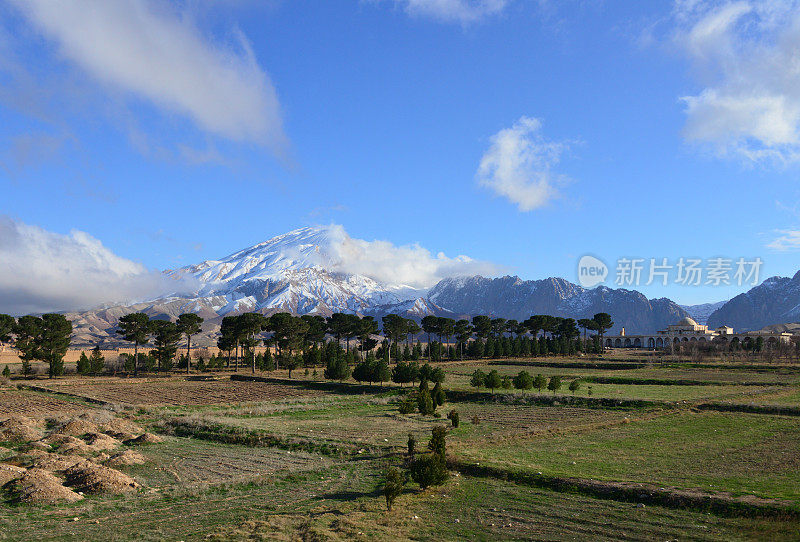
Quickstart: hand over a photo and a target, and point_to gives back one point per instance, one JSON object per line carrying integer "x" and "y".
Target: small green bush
{"x": 428, "y": 470}
{"x": 438, "y": 395}
{"x": 425, "y": 403}
{"x": 407, "y": 405}
{"x": 453, "y": 417}
{"x": 438, "y": 444}
{"x": 393, "y": 486}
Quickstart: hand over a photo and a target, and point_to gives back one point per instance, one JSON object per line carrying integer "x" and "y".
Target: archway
{"x": 659, "y": 342}
{"x": 651, "y": 342}
{"x": 627, "y": 343}
{"x": 637, "y": 342}
{"x": 618, "y": 343}
{"x": 608, "y": 343}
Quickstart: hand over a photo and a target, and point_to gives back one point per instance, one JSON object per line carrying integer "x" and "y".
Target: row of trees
{"x": 138, "y": 328}
{"x": 522, "y": 381}
{"x": 38, "y": 338}
{"x": 302, "y": 339}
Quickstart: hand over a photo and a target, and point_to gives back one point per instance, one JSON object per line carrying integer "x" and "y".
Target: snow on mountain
{"x": 774, "y": 301}
{"x": 313, "y": 271}
{"x": 294, "y": 272}
{"x": 701, "y": 312}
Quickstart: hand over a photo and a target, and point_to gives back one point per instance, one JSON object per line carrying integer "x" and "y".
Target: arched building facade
{"x": 687, "y": 331}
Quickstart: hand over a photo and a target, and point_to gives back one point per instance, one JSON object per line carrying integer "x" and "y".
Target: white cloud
{"x": 788, "y": 240}
{"x": 745, "y": 57}
{"x": 44, "y": 271}
{"x": 409, "y": 265}
{"x": 144, "y": 49}
{"x": 519, "y": 165}
{"x": 454, "y": 11}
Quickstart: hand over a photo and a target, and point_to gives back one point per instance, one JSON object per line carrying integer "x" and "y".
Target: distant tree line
{"x": 347, "y": 344}
{"x": 343, "y": 344}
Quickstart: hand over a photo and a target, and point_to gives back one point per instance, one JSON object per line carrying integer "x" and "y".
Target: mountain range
{"x": 301, "y": 272}
{"x": 774, "y": 301}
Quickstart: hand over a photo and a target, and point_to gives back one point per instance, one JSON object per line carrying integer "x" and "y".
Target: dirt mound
{"x": 74, "y": 446}
{"x": 10, "y": 472}
{"x": 39, "y": 445}
{"x": 20, "y": 429}
{"x": 146, "y": 438}
{"x": 101, "y": 442}
{"x": 93, "y": 478}
{"x": 77, "y": 427}
{"x": 128, "y": 457}
{"x": 55, "y": 439}
{"x": 121, "y": 428}
{"x": 14, "y": 421}
{"x": 38, "y": 486}
{"x": 55, "y": 462}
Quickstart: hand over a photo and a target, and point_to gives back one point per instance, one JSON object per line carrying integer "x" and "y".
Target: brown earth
{"x": 128, "y": 457}
{"x": 146, "y": 438}
{"x": 92, "y": 478}
{"x": 20, "y": 429}
{"x": 38, "y": 486}
{"x": 15, "y": 402}
{"x": 10, "y": 472}
{"x": 176, "y": 391}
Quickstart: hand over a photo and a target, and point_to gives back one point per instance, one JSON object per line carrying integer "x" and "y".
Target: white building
{"x": 688, "y": 331}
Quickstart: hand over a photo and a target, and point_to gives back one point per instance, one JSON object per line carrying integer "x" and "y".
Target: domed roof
{"x": 687, "y": 322}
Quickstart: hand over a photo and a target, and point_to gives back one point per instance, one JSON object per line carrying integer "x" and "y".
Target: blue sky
{"x": 521, "y": 133}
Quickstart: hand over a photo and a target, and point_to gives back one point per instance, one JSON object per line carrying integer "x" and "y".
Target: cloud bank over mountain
{"x": 44, "y": 271}
{"x": 410, "y": 265}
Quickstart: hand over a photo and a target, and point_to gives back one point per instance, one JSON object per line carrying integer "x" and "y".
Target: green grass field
{"x": 318, "y": 475}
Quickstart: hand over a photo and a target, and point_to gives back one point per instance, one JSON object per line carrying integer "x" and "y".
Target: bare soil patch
{"x": 76, "y": 427}
{"x": 146, "y": 438}
{"x": 178, "y": 391}
{"x": 15, "y": 402}
{"x": 125, "y": 458}
{"x": 38, "y": 486}
{"x": 10, "y": 472}
{"x": 121, "y": 428}
{"x": 92, "y": 478}
{"x": 52, "y": 462}
{"x": 20, "y": 429}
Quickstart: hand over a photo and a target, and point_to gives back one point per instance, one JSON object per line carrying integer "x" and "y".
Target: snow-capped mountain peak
{"x": 299, "y": 271}
{"x": 299, "y": 249}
